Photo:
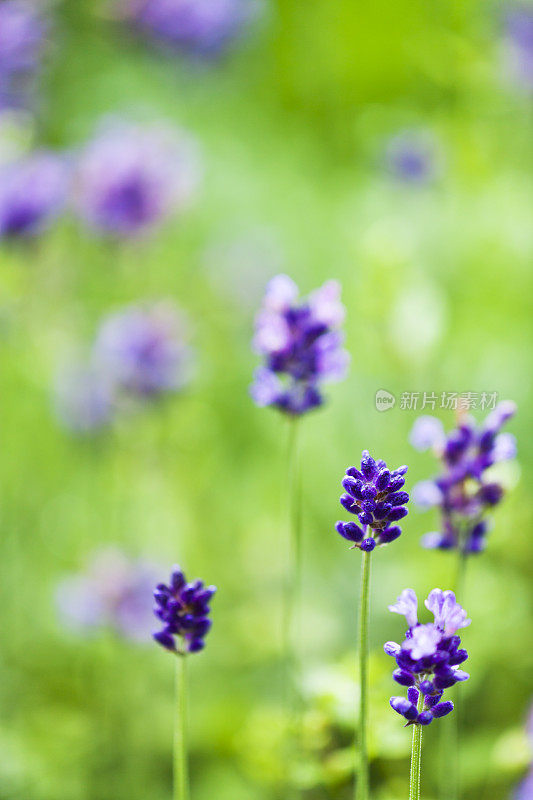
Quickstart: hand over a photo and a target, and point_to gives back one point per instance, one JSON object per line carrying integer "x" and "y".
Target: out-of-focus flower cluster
{"x": 183, "y": 608}
{"x": 22, "y": 43}
{"x": 429, "y": 657}
{"x": 301, "y": 343}
{"x": 197, "y": 28}
{"x": 375, "y": 494}
{"x": 114, "y": 591}
{"x": 123, "y": 184}
{"x": 139, "y": 353}
{"x": 463, "y": 492}
{"x": 519, "y": 46}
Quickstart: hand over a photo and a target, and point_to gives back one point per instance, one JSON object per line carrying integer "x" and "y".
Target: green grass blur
{"x": 437, "y": 284}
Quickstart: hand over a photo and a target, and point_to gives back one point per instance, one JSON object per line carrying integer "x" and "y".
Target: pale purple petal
{"x": 426, "y": 494}
{"x": 281, "y": 292}
{"x": 326, "y": 305}
{"x": 407, "y": 604}
{"x": 427, "y": 432}
{"x": 504, "y": 447}
{"x": 424, "y": 641}
{"x": 266, "y": 388}
{"x": 449, "y": 615}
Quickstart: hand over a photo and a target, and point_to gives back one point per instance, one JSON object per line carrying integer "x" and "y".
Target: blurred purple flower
{"x": 301, "y": 344}
{"x": 83, "y": 398}
{"x": 22, "y": 39}
{"x": 519, "y": 51}
{"x": 413, "y": 157}
{"x": 130, "y": 178}
{"x": 201, "y": 28}
{"x": 142, "y": 350}
{"x": 114, "y": 591}
{"x": 462, "y": 491}
{"x": 32, "y": 193}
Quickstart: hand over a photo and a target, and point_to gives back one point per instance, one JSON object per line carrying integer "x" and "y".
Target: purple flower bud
{"x": 365, "y": 518}
{"x": 349, "y": 530}
{"x": 398, "y": 498}
{"x": 403, "y": 707}
{"x": 389, "y": 534}
{"x": 424, "y": 718}
{"x": 368, "y": 544}
{"x": 383, "y": 480}
{"x": 354, "y": 472}
{"x": 368, "y": 465}
{"x": 353, "y": 487}
{"x": 165, "y": 639}
{"x": 368, "y": 505}
{"x": 397, "y": 513}
{"x": 348, "y": 503}
{"x": 396, "y": 483}
{"x": 426, "y": 687}
{"x": 403, "y": 677}
{"x": 413, "y": 695}
{"x": 491, "y": 494}
{"x": 441, "y": 709}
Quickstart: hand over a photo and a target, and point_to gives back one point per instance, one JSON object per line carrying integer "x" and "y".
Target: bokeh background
{"x": 386, "y": 145}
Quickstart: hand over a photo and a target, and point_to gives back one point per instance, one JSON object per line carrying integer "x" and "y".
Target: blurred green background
{"x": 436, "y": 278}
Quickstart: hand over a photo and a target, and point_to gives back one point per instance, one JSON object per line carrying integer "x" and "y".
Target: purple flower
{"x": 32, "y": 193}
{"x": 22, "y": 39}
{"x": 83, "y": 399}
{"x": 115, "y": 591}
{"x": 463, "y": 492}
{"x": 428, "y": 659}
{"x": 130, "y": 178}
{"x": 519, "y": 46}
{"x": 183, "y": 608}
{"x": 142, "y": 350}
{"x": 301, "y": 344}
{"x": 412, "y": 157}
{"x": 201, "y": 28}
{"x": 375, "y": 495}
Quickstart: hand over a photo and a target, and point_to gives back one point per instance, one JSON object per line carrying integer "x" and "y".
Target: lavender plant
{"x": 463, "y": 492}
{"x": 22, "y": 41}
{"x": 197, "y": 28}
{"x": 32, "y": 193}
{"x": 374, "y": 493}
{"x": 183, "y": 608}
{"x": 301, "y": 343}
{"x": 427, "y": 663}
{"x": 130, "y": 178}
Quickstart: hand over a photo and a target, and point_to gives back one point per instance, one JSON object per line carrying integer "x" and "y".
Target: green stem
{"x": 294, "y": 569}
{"x": 416, "y": 756}
{"x": 362, "y": 790}
{"x": 181, "y": 771}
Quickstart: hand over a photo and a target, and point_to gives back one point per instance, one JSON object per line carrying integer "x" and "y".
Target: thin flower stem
{"x": 416, "y": 756}
{"x": 362, "y": 787}
{"x": 294, "y": 569}
{"x": 181, "y": 770}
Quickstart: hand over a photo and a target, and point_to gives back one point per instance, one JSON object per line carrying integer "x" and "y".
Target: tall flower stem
{"x": 181, "y": 767}
{"x": 416, "y": 756}
{"x": 362, "y": 787}
{"x": 293, "y": 575}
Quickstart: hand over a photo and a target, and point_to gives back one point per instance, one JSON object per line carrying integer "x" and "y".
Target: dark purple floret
{"x": 427, "y": 660}
{"x": 373, "y": 493}
{"x": 32, "y": 193}
{"x": 463, "y": 491}
{"x": 184, "y": 609}
{"x": 301, "y": 344}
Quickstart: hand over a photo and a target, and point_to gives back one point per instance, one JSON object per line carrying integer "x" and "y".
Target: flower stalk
{"x": 416, "y": 755}
{"x": 181, "y": 766}
{"x": 364, "y": 611}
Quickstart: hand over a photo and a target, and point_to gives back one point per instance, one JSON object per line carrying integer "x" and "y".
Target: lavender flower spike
{"x": 142, "y": 350}
{"x": 375, "y": 495}
{"x": 130, "y": 178}
{"x": 463, "y": 491}
{"x": 183, "y": 608}
{"x": 32, "y": 193}
{"x": 428, "y": 659}
{"x": 198, "y": 28}
{"x": 301, "y": 343}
